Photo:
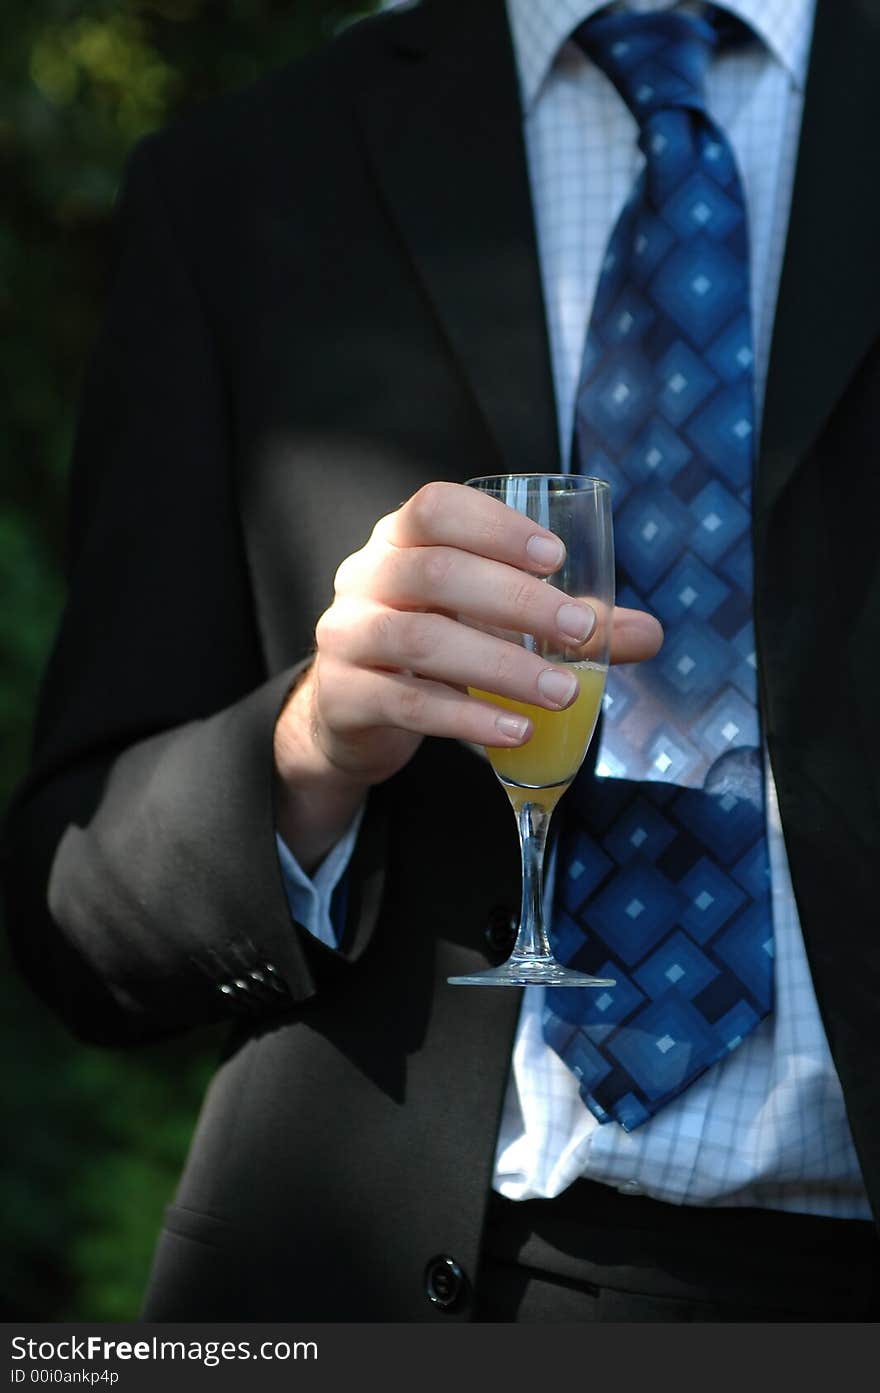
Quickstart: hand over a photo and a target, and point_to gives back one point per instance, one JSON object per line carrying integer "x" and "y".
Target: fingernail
{"x": 557, "y": 686}
{"x": 513, "y": 727}
{"x": 576, "y": 621}
{"x": 545, "y": 551}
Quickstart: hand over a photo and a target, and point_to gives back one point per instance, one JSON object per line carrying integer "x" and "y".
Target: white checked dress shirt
{"x": 766, "y": 1127}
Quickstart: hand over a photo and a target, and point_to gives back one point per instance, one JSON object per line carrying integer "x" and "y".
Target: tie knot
{"x": 656, "y": 61}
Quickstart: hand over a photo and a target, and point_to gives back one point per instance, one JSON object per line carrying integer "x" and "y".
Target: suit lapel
{"x": 443, "y": 127}
{"x": 828, "y": 310}
{"x": 444, "y": 130}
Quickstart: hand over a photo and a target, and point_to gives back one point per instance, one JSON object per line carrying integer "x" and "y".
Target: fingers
{"x": 359, "y": 699}
{"x": 635, "y": 636}
{"x": 452, "y": 515}
{"x": 367, "y": 634}
{"x": 447, "y": 579}
{"x": 436, "y": 603}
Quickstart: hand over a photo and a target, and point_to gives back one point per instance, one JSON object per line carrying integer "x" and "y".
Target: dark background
{"x": 94, "y": 1139}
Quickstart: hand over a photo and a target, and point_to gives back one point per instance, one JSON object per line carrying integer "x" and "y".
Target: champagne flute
{"x": 536, "y": 774}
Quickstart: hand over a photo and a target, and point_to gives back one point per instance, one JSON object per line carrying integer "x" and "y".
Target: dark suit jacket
{"x": 327, "y": 294}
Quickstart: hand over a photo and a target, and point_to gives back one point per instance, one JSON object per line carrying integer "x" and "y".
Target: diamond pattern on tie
{"x": 663, "y": 881}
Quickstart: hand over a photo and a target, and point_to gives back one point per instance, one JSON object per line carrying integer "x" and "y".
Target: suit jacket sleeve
{"x": 143, "y": 887}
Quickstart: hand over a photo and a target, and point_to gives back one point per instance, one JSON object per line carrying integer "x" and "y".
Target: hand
{"x": 393, "y": 660}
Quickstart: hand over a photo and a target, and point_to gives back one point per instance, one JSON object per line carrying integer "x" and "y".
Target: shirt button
{"x": 630, "y": 1187}
{"x": 445, "y": 1282}
{"x": 500, "y": 930}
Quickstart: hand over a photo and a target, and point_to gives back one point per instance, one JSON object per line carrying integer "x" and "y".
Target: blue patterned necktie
{"x": 663, "y": 878}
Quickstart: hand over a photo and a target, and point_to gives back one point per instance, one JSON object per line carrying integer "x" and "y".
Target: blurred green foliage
{"x": 95, "y": 1139}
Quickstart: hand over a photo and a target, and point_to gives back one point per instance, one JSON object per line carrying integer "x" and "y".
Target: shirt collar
{"x": 785, "y": 26}
{"x": 541, "y": 27}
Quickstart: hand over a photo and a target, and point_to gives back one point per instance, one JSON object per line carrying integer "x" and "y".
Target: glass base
{"x": 530, "y": 972}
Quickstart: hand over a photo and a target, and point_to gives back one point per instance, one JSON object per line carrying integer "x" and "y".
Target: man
{"x": 329, "y": 297}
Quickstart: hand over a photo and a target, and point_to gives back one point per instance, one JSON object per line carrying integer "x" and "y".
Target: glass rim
{"x": 539, "y": 479}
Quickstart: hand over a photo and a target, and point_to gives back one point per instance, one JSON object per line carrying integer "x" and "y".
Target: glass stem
{"x": 533, "y": 822}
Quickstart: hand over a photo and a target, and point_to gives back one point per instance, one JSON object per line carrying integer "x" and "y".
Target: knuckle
{"x": 328, "y": 627}
{"x": 523, "y": 597}
{"x": 378, "y": 574}
{"x": 339, "y": 576}
{"x": 492, "y": 532}
{"x": 383, "y": 526}
{"x": 438, "y": 564}
{"x": 383, "y": 627}
{"x": 506, "y": 664}
{"x": 396, "y": 575}
{"x": 411, "y": 705}
{"x": 426, "y": 507}
{"x": 416, "y": 639}
{"x": 324, "y": 629}
{"x": 346, "y": 572}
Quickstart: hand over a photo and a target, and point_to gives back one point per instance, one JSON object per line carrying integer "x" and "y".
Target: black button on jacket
{"x": 327, "y": 293}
